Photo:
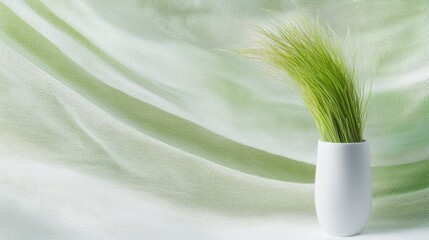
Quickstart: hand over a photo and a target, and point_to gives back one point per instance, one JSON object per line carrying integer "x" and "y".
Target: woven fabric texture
{"x": 140, "y": 120}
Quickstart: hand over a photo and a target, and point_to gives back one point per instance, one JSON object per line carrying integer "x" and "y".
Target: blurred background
{"x": 140, "y": 120}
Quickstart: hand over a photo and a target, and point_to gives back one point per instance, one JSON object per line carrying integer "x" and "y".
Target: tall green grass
{"x": 309, "y": 57}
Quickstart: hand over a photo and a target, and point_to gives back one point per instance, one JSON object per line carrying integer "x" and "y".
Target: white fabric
{"x": 139, "y": 120}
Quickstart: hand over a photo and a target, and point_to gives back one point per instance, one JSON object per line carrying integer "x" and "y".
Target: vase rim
{"x": 340, "y": 143}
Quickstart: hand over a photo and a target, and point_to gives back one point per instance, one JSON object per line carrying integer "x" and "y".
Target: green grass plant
{"x": 309, "y": 57}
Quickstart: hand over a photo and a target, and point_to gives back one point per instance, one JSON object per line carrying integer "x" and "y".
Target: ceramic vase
{"x": 343, "y": 189}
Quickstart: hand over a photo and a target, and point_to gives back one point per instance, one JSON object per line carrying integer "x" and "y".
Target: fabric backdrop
{"x": 139, "y": 120}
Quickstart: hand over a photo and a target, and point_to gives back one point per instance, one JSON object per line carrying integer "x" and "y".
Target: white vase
{"x": 343, "y": 189}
